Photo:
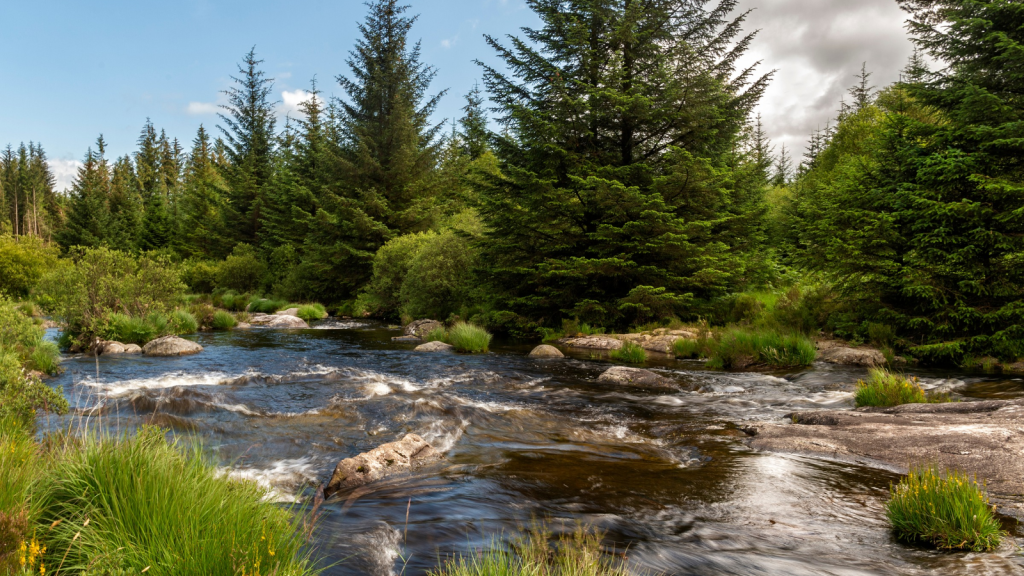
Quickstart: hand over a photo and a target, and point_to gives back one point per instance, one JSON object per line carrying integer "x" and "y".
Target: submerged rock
{"x": 420, "y": 328}
{"x": 868, "y": 357}
{"x": 980, "y": 438}
{"x": 435, "y": 346}
{"x": 637, "y": 377}
{"x": 545, "y": 351}
{"x": 592, "y": 343}
{"x": 404, "y": 454}
{"x": 171, "y": 346}
{"x": 406, "y": 339}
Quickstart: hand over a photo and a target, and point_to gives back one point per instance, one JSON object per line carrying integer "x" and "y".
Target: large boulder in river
{"x": 288, "y": 312}
{"x": 112, "y": 348}
{"x": 546, "y": 351}
{"x": 636, "y": 377}
{"x": 420, "y": 328}
{"x": 260, "y": 319}
{"x": 171, "y": 346}
{"x": 404, "y": 454}
{"x": 592, "y": 343}
{"x": 286, "y": 322}
{"x": 868, "y": 357}
{"x": 435, "y": 346}
{"x": 132, "y": 349}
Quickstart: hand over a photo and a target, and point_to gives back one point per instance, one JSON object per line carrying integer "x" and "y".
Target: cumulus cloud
{"x": 290, "y": 100}
{"x": 64, "y": 172}
{"x": 202, "y": 108}
{"x": 817, "y": 46}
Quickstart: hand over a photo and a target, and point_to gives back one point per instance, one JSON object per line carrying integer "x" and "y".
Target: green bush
{"x": 949, "y": 511}
{"x": 134, "y": 504}
{"x": 631, "y": 352}
{"x": 884, "y": 388}
{"x": 183, "y": 322}
{"x": 439, "y": 279}
{"x": 129, "y": 330}
{"x": 200, "y": 275}
{"x": 383, "y": 295}
{"x": 82, "y": 294}
{"x": 466, "y": 337}
{"x": 739, "y": 348}
{"x": 576, "y": 554}
{"x": 22, "y": 346}
{"x": 310, "y": 312}
{"x": 242, "y": 271}
{"x": 23, "y": 262}
{"x": 438, "y": 334}
{"x": 264, "y": 305}
{"x": 223, "y": 321}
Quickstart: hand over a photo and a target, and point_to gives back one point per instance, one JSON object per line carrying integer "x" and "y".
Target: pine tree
{"x": 89, "y": 214}
{"x": 863, "y": 92}
{"x": 126, "y": 206}
{"x": 783, "y": 168}
{"x": 474, "y": 134}
{"x": 203, "y": 203}
{"x": 248, "y": 132}
{"x": 622, "y": 120}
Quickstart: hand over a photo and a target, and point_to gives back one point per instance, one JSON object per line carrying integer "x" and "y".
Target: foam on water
{"x": 281, "y": 480}
{"x": 170, "y": 380}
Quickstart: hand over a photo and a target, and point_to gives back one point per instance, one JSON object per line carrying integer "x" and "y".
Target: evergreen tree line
{"x": 628, "y": 181}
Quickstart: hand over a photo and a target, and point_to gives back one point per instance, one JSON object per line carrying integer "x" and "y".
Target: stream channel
{"x": 667, "y": 476}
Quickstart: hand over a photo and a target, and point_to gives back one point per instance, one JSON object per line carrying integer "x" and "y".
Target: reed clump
{"x": 630, "y": 353}
{"x": 740, "y": 348}
{"x": 950, "y": 511}
{"x": 466, "y": 337}
{"x": 884, "y": 389}
{"x": 310, "y": 312}
{"x": 223, "y": 320}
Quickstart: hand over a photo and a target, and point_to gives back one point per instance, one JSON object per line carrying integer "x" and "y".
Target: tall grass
{"x": 129, "y": 329}
{"x": 576, "y": 554}
{"x": 310, "y": 312}
{"x": 883, "y": 388}
{"x": 265, "y": 305}
{"x": 134, "y": 504}
{"x": 949, "y": 511}
{"x": 45, "y": 357}
{"x": 631, "y": 353}
{"x": 183, "y": 322}
{"x": 686, "y": 348}
{"x": 466, "y": 337}
{"x": 438, "y": 334}
{"x": 738, "y": 348}
{"x": 223, "y": 320}
{"x": 19, "y": 459}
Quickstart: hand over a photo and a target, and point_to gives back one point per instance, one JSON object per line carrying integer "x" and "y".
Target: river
{"x": 666, "y": 476}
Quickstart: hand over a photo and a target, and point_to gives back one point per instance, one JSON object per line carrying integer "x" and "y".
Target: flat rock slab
{"x": 171, "y": 346}
{"x": 852, "y": 356}
{"x": 288, "y": 312}
{"x": 635, "y": 377}
{"x": 592, "y": 343}
{"x": 435, "y": 347}
{"x": 546, "y": 351}
{"x": 404, "y": 454}
{"x": 661, "y": 343}
{"x": 981, "y": 438}
{"x": 260, "y": 319}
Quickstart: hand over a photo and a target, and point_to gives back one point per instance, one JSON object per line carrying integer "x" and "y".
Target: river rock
{"x": 287, "y": 322}
{"x": 981, "y": 438}
{"x": 171, "y": 346}
{"x": 435, "y": 346}
{"x": 661, "y": 343}
{"x": 243, "y": 326}
{"x": 636, "y": 377}
{"x": 592, "y": 343}
{"x": 107, "y": 348}
{"x": 404, "y": 454}
{"x": 420, "y": 328}
{"x": 288, "y": 312}
{"x": 260, "y": 319}
{"x": 545, "y": 351}
{"x": 1015, "y": 367}
{"x": 406, "y": 339}
{"x": 132, "y": 349}
{"x": 868, "y": 357}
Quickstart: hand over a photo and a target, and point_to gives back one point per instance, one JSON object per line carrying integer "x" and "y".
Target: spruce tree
{"x": 622, "y": 121}
{"x": 88, "y": 214}
{"x": 863, "y": 92}
{"x": 248, "y": 132}
{"x": 473, "y": 132}
{"x": 203, "y": 203}
{"x": 126, "y": 206}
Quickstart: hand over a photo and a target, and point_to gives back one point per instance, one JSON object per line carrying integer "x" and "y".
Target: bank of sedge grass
{"x": 883, "y": 388}
{"x": 949, "y": 511}
{"x": 438, "y": 334}
{"x": 576, "y": 554}
{"x": 466, "y": 337}
{"x": 223, "y": 320}
{"x": 125, "y": 504}
{"x": 310, "y": 312}
{"x": 631, "y": 353}
{"x": 738, "y": 347}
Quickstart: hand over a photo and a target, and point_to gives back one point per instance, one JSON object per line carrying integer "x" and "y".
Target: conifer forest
{"x": 609, "y": 195}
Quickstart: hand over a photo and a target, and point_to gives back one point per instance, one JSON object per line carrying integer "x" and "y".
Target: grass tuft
{"x": 129, "y": 329}
{"x": 883, "y": 388}
{"x": 183, "y": 322}
{"x": 466, "y": 337}
{"x": 631, "y": 353}
{"x": 686, "y": 348}
{"x": 45, "y": 357}
{"x": 223, "y": 320}
{"x": 738, "y": 348}
{"x": 949, "y": 511}
{"x": 576, "y": 554}
{"x": 438, "y": 334}
{"x": 310, "y": 312}
{"x": 264, "y": 305}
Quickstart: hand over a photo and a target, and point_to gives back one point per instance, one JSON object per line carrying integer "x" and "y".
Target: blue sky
{"x": 73, "y": 69}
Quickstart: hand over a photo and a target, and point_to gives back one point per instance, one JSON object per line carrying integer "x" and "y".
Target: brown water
{"x": 667, "y": 476}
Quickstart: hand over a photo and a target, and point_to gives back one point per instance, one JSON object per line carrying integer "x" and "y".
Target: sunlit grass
{"x": 183, "y": 322}
{"x": 223, "y": 320}
{"x": 883, "y": 388}
{"x": 949, "y": 511}
{"x": 466, "y": 337}
{"x": 737, "y": 348}
{"x": 310, "y": 312}
{"x": 631, "y": 353}
{"x": 438, "y": 334}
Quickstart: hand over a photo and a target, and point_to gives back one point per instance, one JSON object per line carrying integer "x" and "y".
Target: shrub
{"x": 439, "y": 278}
{"x": 123, "y": 506}
{"x": 383, "y": 295}
{"x": 884, "y": 388}
{"x": 467, "y": 337}
{"x": 576, "y": 554}
{"x": 264, "y": 305}
{"x": 98, "y": 282}
{"x": 631, "y": 352}
{"x": 949, "y": 511}
{"x": 23, "y": 262}
{"x": 21, "y": 346}
{"x": 200, "y": 275}
{"x": 438, "y": 334}
{"x": 223, "y": 321}
{"x": 310, "y": 312}
{"x": 128, "y": 329}
{"x": 738, "y": 348}
{"x": 183, "y": 322}
{"x": 203, "y": 313}
{"x": 242, "y": 270}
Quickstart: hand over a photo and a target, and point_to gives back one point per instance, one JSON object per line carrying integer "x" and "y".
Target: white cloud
{"x": 290, "y": 101}
{"x": 64, "y": 172}
{"x": 202, "y": 108}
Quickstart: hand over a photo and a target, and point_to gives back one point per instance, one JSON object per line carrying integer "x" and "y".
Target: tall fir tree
{"x": 249, "y": 135}
{"x": 89, "y": 214}
{"x": 863, "y": 92}
{"x": 126, "y": 206}
{"x": 473, "y": 132}
{"x": 202, "y": 230}
{"x": 622, "y": 120}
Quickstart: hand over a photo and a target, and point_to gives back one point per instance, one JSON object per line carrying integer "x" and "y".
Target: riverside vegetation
{"x": 665, "y": 209}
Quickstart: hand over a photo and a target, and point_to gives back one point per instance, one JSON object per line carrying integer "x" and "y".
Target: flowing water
{"x": 665, "y": 475}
